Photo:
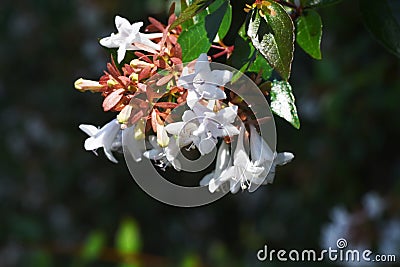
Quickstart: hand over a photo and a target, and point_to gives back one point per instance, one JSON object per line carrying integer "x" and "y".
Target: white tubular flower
{"x": 219, "y": 123}
{"x": 165, "y": 156}
{"x": 185, "y": 129}
{"x": 242, "y": 171}
{"x": 102, "y": 137}
{"x": 202, "y": 127}
{"x": 262, "y": 155}
{"x": 127, "y": 35}
{"x": 223, "y": 161}
{"x": 203, "y": 83}
{"x": 279, "y": 160}
{"x": 134, "y": 142}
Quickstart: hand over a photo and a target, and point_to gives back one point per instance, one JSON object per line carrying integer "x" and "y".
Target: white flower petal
{"x": 206, "y": 145}
{"x": 141, "y": 38}
{"x": 207, "y": 178}
{"x": 89, "y": 129}
{"x": 261, "y": 153}
{"x": 283, "y": 158}
{"x": 135, "y": 147}
{"x": 210, "y": 92}
{"x": 192, "y": 98}
{"x": 122, "y": 24}
{"x": 240, "y": 156}
{"x": 154, "y": 154}
{"x": 109, "y": 154}
{"x": 188, "y": 115}
{"x": 108, "y": 42}
{"x": 228, "y": 114}
{"x": 221, "y": 77}
{"x": 175, "y": 127}
{"x": 121, "y": 53}
{"x": 202, "y": 63}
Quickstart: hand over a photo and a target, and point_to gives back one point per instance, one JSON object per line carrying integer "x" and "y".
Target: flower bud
{"x": 87, "y": 85}
{"x": 125, "y": 114}
{"x": 162, "y": 136}
{"x": 137, "y": 63}
{"x": 139, "y": 132}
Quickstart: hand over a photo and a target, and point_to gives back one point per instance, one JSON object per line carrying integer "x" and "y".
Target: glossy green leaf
{"x": 225, "y": 24}
{"x": 194, "y": 41}
{"x": 189, "y": 22}
{"x": 309, "y": 33}
{"x": 128, "y": 241}
{"x": 382, "y": 18}
{"x": 283, "y": 102}
{"x": 214, "y": 20}
{"x": 261, "y": 64}
{"x": 93, "y": 246}
{"x": 272, "y": 34}
{"x": 193, "y": 9}
{"x": 319, "y": 3}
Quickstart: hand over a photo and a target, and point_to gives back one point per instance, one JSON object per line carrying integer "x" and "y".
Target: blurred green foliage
{"x": 63, "y": 206}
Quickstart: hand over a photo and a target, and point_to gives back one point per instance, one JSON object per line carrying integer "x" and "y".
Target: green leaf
{"x": 225, "y": 24}
{"x": 261, "y": 64}
{"x": 185, "y": 24}
{"x": 319, "y": 3}
{"x": 214, "y": 19}
{"x": 194, "y": 41}
{"x": 282, "y": 102}
{"x": 382, "y": 18}
{"x": 309, "y": 33}
{"x": 272, "y": 34}
{"x": 93, "y": 246}
{"x": 128, "y": 240}
{"x": 195, "y": 8}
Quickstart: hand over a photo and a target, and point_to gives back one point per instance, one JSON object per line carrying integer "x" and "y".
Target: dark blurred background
{"x": 63, "y": 206}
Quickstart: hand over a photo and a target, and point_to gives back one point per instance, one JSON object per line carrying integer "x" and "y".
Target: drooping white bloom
{"x": 133, "y": 141}
{"x": 165, "y": 156}
{"x": 219, "y": 123}
{"x": 204, "y": 82}
{"x": 223, "y": 161}
{"x": 242, "y": 171}
{"x": 127, "y": 35}
{"x": 184, "y": 130}
{"x": 201, "y": 126}
{"x": 102, "y": 137}
{"x": 262, "y": 155}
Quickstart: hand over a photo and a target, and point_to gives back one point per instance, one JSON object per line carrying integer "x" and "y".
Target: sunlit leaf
{"x": 260, "y": 64}
{"x": 272, "y": 34}
{"x": 382, "y": 18}
{"x": 194, "y": 41}
{"x": 309, "y": 33}
{"x": 225, "y": 24}
{"x": 214, "y": 20}
{"x": 196, "y": 7}
{"x": 283, "y": 102}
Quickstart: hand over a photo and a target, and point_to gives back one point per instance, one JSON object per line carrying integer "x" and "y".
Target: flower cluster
{"x": 145, "y": 89}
